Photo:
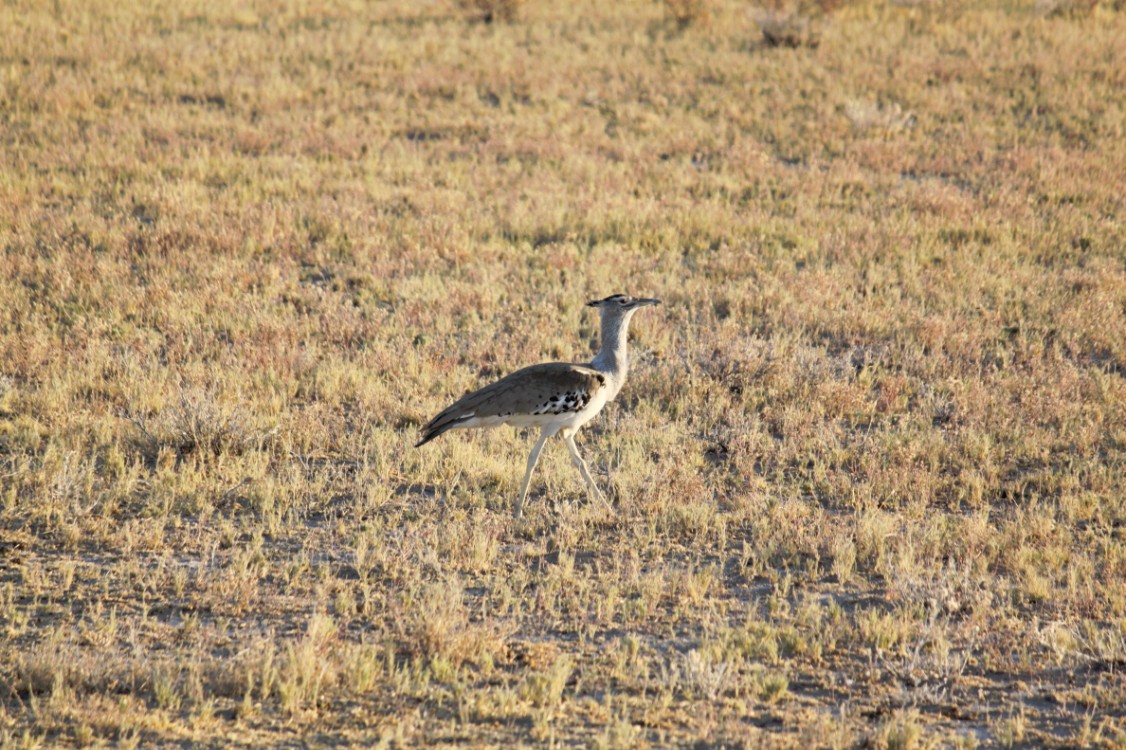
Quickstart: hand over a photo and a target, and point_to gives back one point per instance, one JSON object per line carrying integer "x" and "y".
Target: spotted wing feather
{"x": 552, "y": 388}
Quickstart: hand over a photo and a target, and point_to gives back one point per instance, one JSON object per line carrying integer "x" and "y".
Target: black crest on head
{"x": 620, "y": 298}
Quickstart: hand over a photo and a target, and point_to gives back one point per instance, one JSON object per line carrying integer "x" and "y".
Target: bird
{"x": 557, "y": 397}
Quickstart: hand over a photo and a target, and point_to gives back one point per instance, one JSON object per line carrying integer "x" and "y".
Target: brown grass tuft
{"x": 491, "y": 11}
{"x": 687, "y": 13}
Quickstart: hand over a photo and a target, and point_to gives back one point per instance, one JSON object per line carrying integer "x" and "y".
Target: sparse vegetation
{"x": 489, "y": 11}
{"x": 869, "y": 467}
{"x": 688, "y": 12}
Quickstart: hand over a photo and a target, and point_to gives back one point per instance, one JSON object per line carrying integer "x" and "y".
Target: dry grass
{"x": 868, "y": 469}
{"x": 686, "y": 13}
{"x": 490, "y": 11}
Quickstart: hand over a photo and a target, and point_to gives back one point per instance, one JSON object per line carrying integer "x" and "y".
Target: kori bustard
{"x": 557, "y": 397}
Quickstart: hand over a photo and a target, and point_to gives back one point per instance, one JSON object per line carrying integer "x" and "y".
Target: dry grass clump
{"x": 689, "y": 12}
{"x": 808, "y": 7}
{"x": 199, "y": 422}
{"x": 1072, "y": 8}
{"x": 785, "y": 23}
{"x": 871, "y": 453}
{"x": 789, "y": 28}
{"x": 490, "y": 11}
{"x": 886, "y": 119}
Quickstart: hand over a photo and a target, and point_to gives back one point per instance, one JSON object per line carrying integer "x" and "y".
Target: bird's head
{"x": 620, "y": 304}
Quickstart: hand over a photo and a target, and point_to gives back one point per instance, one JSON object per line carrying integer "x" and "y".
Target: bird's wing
{"x": 554, "y": 387}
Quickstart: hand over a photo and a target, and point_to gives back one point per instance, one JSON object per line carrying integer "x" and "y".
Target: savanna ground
{"x": 868, "y": 470}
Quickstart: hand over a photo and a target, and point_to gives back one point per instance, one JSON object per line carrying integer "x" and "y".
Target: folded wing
{"x": 552, "y": 388}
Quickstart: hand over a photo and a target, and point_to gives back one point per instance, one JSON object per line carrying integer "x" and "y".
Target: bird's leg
{"x": 533, "y": 457}
{"x": 580, "y": 464}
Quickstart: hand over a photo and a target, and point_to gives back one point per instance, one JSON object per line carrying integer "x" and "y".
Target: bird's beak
{"x": 594, "y": 303}
{"x": 645, "y": 301}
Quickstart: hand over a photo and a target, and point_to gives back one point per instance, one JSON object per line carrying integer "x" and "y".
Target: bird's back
{"x": 533, "y": 395}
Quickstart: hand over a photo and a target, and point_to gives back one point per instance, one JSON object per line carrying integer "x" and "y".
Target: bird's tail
{"x": 429, "y": 434}
{"x": 439, "y": 424}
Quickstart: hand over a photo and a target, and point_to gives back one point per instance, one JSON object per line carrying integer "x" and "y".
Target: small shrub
{"x": 198, "y": 423}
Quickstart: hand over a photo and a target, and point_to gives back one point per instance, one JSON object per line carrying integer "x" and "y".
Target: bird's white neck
{"x": 613, "y": 358}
